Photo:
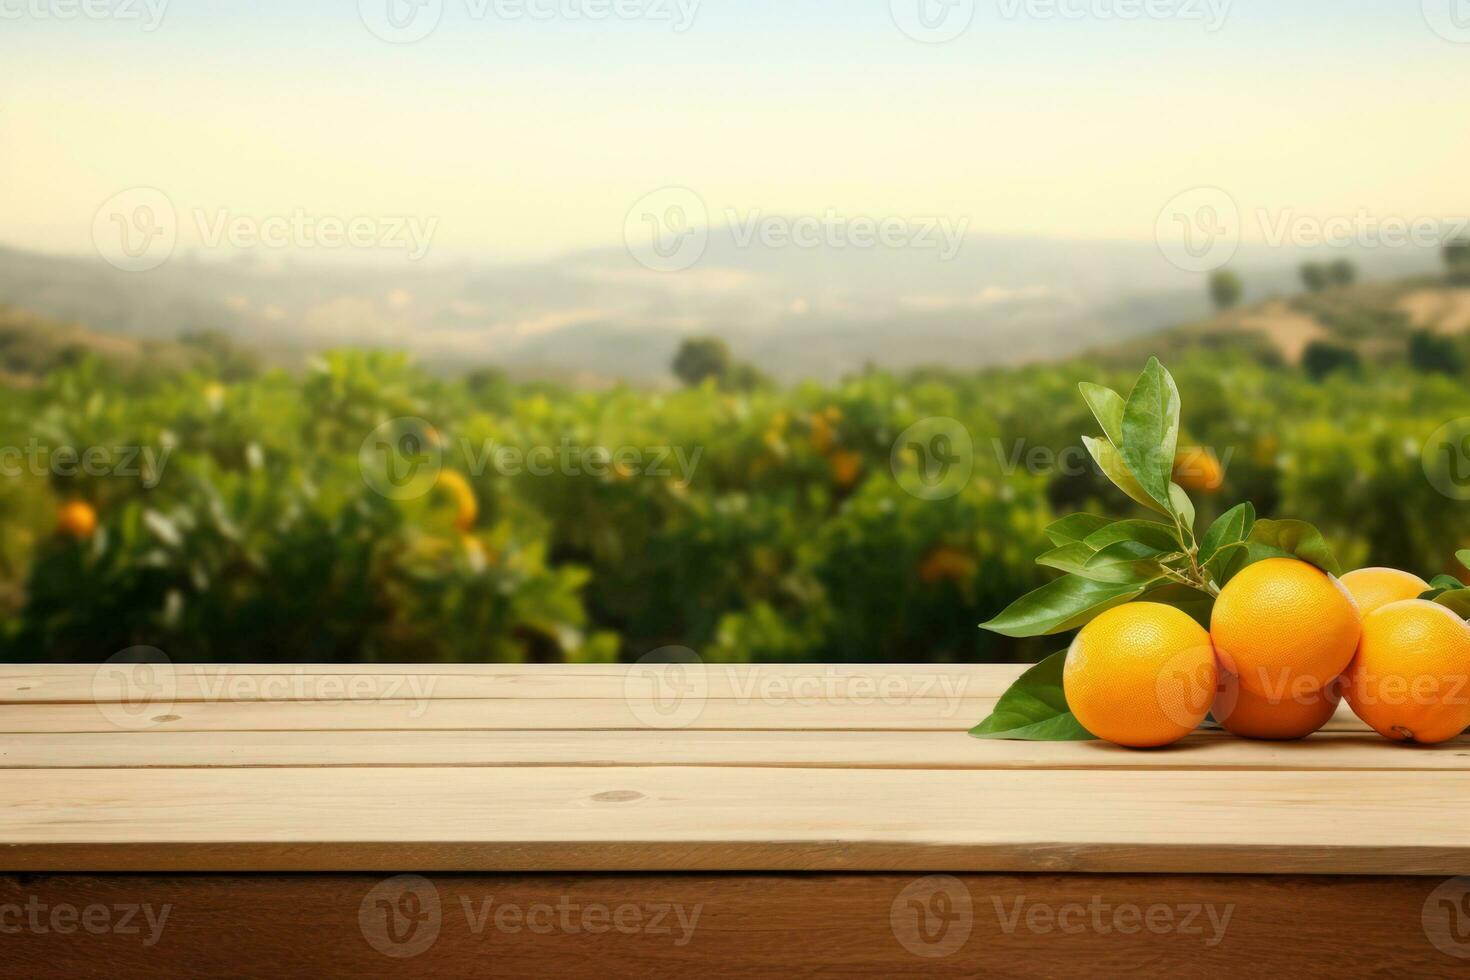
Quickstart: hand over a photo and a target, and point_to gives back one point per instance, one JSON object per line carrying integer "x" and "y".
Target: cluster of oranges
{"x": 1287, "y": 642}
{"x": 845, "y": 465}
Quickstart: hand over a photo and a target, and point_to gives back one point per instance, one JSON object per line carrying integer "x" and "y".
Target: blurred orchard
{"x": 261, "y": 530}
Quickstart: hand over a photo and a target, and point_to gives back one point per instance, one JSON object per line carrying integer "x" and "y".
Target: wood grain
{"x": 742, "y": 926}
{"x": 752, "y": 819}
{"x": 783, "y": 749}
{"x": 532, "y": 714}
{"x": 88, "y": 683}
{"x": 627, "y": 768}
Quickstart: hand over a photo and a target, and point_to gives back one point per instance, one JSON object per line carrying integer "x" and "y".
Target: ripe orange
{"x": 1374, "y": 588}
{"x": 1141, "y": 675}
{"x": 1411, "y": 678}
{"x": 1285, "y": 628}
{"x": 466, "y": 506}
{"x": 1199, "y": 470}
{"x": 76, "y": 519}
{"x": 1257, "y": 716}
{"x": 846, "y": 468}
{"x": 947, "y": 565}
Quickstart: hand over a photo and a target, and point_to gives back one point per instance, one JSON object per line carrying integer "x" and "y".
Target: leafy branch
{"x": 1108, "y": 563}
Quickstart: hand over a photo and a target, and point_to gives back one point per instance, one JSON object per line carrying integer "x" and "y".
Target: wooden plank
{"x": 87, "y": 683}
{"x": 854, "y": 750}
{"x": 532, "y": 714}
{"x": 733, "y": 819}
{"x": 733, "y": 926}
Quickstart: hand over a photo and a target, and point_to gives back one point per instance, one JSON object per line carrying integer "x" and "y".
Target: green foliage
{"x": 258, "y": 538}
{"x": 1457, "y": 260}
{"x": 1108, "y": 564}
{"x": 1291, "y": 539}
{"x": 1430, "y": 352}
{"x": 1342, "y": 273}
{"x": 1322, "y": 357}
{"x": 1034, "y": 708}
{"x": 1226, "y": 289}
{"x": 700, "y": 359}
{"x": 1315, "y": 277}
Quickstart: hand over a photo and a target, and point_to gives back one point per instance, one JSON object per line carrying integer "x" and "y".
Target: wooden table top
{"x": 674, "y": 768}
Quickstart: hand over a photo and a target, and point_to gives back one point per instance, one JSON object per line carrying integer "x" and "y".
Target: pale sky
{"x": 526, "y": 137}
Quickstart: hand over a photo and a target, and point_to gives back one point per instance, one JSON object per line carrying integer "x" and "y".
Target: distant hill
{"x": 32, "y": 345}
{"x": 1374, "y": 320}
{"x": 598, "y": 315}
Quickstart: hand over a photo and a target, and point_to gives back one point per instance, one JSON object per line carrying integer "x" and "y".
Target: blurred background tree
{"x": 1226, "y": 289}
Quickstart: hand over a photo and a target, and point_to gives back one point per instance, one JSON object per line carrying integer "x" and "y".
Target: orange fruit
{"x": 1285, "y": 628}
{"x": 1251, "y": 715}
{"x": 1199, "y": 470}
{"x": 1374, "y": 588}
{"x": 76, "y": 519}
{"x": 822, "y": 437}
{"x": 846, "y": 468}
{"x": 947, "y": 564}
{"x": 1411, "y": 678}
{"x": 466, "y": 506}
{"x": 1141, "y": 675}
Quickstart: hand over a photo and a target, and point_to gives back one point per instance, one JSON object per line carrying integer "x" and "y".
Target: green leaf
{"x": 1059, "y": 606}
{"x": 1181, "y": 506}
{"x": 1227, "y": 562}
{"x": 1076, "y": 528}
{"x": 1034, "y": 708}
{"x": 1444, "y": 583}
{"x": 1232, "y": 526}
{"x": 1110, "y": 461}
{"x": 1107, "y": 408}
{"x": 1124, "y": 561}
{"x": 1292, "y": 539}
{"x": 1464, "y": 557}
{"x": 1160, "y": 537}
{"x": 1198, "y": 605}
{"x": 1456, "y": 600}
{"x": 1151, "y": 431}
{"x": 1068, "y": 558}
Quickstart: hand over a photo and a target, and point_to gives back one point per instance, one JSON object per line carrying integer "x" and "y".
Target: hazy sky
{"x": 524, "y": 136}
